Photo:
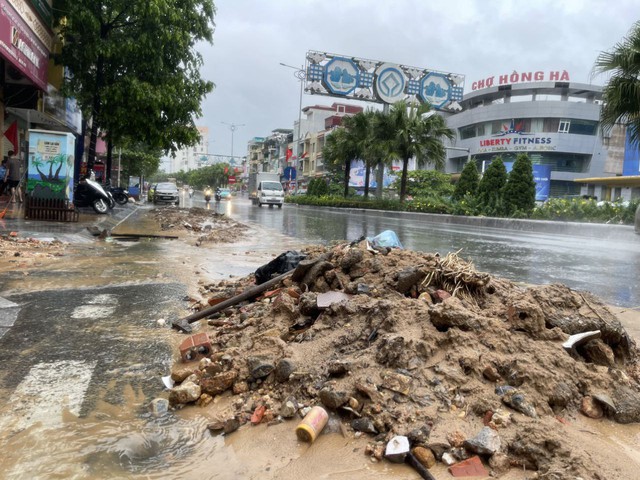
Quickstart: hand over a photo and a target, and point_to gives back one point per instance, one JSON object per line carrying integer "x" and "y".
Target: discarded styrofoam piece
{"x": 325, "y": 300}
{"x": 579, "y": 339}
{"x": 397, "y": 449}
{"x": 168, "y": 381}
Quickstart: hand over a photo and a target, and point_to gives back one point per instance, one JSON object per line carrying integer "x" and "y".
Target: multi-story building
{"x": 309, "y": 137}
{"x": 556, "y": 123}
{"x": 192, "y": 158}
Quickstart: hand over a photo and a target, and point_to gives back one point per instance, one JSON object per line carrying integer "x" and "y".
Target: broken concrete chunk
{"x": 284, "y": 369}
{"x": 259, "y": 367}
{"x": 364, "y": 424}
{"x": 486, "y": 442}
{"x": 516, "y": 400}
{"x": 217, "y": 384}
{"x": 325, "y": 300}
{"x": 397, "y": 449}
{"x": 185, "y": 393}
{"x": 332, "y": 398}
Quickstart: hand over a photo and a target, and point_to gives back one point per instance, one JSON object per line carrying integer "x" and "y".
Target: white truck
{"x": 265, "y": 189}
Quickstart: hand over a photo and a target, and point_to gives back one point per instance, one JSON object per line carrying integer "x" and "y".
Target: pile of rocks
{"x": 401, "y": 343}
{"x": 13, "y": 245}
{"x": 202, "y": 224}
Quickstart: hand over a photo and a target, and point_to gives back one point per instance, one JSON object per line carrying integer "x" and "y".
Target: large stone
{"x": 284, "y": 369}
{"x": 159, "y": 406}
{"x": 424, "y": 456}
{"x": 288, "y": 409}
{"x": 364, "y": 424}
{"x": 184, "y": 393}
{"x": 333, "y": 399}
{"x": 217, "y": 384}
{"x": 486, "y": 442}
{"x": 259, "y": 367}
{"x": 408, "y": 278}
{"x": 180, "y": 371}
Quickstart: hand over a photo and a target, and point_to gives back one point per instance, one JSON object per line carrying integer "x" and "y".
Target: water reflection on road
{"x": 606, "y": 266}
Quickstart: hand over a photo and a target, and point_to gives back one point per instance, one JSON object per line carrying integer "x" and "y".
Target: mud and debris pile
{"x": 205, "y": 226}
{"x": 13, "y": 245}
{"x": 395, "y": 342}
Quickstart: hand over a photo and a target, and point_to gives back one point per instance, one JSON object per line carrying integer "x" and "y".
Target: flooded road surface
{"x": 88, "y": 347}
{"x": 605, "y": 265}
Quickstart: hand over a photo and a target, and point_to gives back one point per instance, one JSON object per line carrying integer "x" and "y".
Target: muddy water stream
{"x": 86, "y": 356}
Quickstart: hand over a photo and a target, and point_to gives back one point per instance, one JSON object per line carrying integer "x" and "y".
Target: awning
{"x": 39, "y": 118}
{"x": 619, "y": 181}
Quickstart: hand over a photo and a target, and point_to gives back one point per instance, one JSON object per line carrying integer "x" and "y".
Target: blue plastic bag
{"x": 388, "y": 238}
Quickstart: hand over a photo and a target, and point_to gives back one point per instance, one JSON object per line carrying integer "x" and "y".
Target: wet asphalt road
{"x": 606, "y": 263}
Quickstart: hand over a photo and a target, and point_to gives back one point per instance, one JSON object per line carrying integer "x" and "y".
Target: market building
{"x": 554, "y": 121}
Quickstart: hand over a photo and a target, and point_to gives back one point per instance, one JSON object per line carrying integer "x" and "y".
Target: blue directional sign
{"x": 341, "y": 76}
{"x": 435, "y": 88}
{"x": 390, "y": 83}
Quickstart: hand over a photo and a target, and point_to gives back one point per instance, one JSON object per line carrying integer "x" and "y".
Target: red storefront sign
{"x": 21, "y": 48}
{"x": 521, "y": 77}
{"x": 231, "y": 180}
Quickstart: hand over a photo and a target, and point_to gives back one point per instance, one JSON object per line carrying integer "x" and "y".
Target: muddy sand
{"x": 460, "y": 362}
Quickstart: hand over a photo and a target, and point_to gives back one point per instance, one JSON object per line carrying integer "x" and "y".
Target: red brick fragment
{"x": 442, "y": 295}
{"x": 258, "y": 413}
{"x": 195, "y": 347}
{"x": 471, "y": 467}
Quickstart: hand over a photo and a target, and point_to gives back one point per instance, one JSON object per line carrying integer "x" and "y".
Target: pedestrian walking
{"x": 13, "y": 177}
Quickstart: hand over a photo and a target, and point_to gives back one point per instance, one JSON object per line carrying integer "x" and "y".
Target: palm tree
{"x": 419, "y": 132}
{"x": 622, "y": 93}
{"x": 338, "y": 149}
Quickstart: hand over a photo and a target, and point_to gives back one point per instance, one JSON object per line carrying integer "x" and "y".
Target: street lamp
{"x": 232, "y": 127}
{"x": 462, "y": 149}
{"x": 301, "y": 75}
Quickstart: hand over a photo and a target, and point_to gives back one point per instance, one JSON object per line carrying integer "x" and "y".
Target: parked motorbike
{"x": 119, "y": 194}
{"x": 207, "y": 195}
{"x": 89, "y": 193}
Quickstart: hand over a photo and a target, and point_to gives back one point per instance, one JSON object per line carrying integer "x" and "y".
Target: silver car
{"x": 166, "y": 193}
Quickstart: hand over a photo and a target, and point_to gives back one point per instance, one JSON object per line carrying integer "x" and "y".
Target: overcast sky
{"x": 476, "y": 38}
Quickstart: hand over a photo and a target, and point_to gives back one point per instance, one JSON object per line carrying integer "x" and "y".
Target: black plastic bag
{"x": 281, "y": 264}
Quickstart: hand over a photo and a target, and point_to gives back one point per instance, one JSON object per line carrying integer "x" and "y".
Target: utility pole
{"x": 301, "y": 75}
{"x": 233, "y": 127}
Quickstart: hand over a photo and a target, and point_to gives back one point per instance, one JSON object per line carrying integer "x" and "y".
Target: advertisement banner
{"x": 21, "y": 48}
{"x": 357, "y": 175}
{"x": 51, "y": 164}
{"x": 542, "y": 177}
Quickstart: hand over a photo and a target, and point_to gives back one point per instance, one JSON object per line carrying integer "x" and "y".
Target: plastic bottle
{"x": 312, "y": 424}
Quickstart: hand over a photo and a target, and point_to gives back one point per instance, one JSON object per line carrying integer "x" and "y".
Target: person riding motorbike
{"x": 207, "y": 194}
{"x": 218, "y": 194}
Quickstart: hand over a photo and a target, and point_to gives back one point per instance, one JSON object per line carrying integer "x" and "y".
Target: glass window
{"x": 467, "y": 132}
{"x": 522, "y": 124}
{"x": 583, "y": 127}
{"x": 480, "y": 130}
{"x": 496, "y": 126}
{"x": 564, "y": 126}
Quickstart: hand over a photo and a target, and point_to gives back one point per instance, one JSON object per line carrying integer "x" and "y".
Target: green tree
{"x": 491, "y": 188}
{"x": 622, "y": 92}
{"x": 427, "y": 183}
{"x": 134, "y": 69}
{"x": 468, "y": 182}
{"x": 418, "y": 133}
{"x": 520, "y": 190}
{"x": 138, "y": 160}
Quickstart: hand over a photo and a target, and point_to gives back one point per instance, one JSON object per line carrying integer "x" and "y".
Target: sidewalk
{"x": 14, "y": 221}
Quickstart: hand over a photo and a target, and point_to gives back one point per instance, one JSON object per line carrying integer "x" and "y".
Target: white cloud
{"x": 476, "y": 38}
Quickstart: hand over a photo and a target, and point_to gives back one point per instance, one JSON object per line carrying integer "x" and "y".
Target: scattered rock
{"x": 284, "y": 369}
{"x": 397, "y": 382}
{"x": 184, "y": 393}
{"x": 397, "y": 449}
{"x": 259, "y": 367}
{"x": 499, "y": 463}
{"x": 288, "y": 409}
{"x": 487, "y": 442}
{"x": 424, "y": 456}
{"x": 159, "y": 406}
{"x": 364, "y": 424}
{"x": 333, "y": 399}
{"x": 516, "y": 400}
{"x": 456, "y": 438}
{"x": 217, "y": 384}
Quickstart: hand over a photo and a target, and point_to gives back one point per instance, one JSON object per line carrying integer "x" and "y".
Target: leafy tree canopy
{"x": 133, "y": 67}
{"x": 427, "y": 183}
{"x": 520, "y": 190}
{"x": 622, "y": 93}
{"x": 468, "y": 183}
{"x": 490, "y": 190}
